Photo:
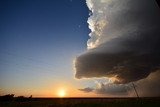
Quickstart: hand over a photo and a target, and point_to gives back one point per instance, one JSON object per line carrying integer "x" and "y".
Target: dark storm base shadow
{"x": 84, "y": 102}
{"x": 158, "y": 2}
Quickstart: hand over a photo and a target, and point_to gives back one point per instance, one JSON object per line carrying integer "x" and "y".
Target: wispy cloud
{"x": 88, "y": 89}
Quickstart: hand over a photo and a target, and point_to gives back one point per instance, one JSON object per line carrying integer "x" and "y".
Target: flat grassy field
{"x": 84, "y": 102}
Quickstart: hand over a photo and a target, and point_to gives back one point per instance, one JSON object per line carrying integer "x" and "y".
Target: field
{"x": 84, "y": 102}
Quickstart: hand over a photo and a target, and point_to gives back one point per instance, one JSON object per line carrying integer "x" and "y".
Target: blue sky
{"x": 39, "y": 40}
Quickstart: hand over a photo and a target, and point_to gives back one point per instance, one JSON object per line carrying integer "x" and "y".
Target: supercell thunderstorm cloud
{"x": 124, "y": 44}
{"x": 124, "y": 40}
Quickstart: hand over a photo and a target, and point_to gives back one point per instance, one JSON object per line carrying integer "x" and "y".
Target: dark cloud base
{"x": 126, "y": 58}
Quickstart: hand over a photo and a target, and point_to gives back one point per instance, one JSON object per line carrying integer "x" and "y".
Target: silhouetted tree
{"x": 30, "y": 97}
{"x": 8, "y": 97}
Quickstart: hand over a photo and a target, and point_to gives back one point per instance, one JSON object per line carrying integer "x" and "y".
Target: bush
{"x": 22, "y": 98}
{"x": 8, "y": 97}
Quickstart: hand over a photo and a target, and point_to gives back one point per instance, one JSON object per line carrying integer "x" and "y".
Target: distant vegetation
{"x": 21, "y": 101}
{"x": 10, "y": 97}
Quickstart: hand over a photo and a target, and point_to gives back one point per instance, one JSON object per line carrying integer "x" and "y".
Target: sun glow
{"x": 61, "y": 93}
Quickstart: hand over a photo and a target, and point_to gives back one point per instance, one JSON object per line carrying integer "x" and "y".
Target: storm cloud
{"x": 109, "y": 89}
{"x": 124, "y": 40}
{"x": 88, "y": 89}
{"x": 149, "y": 86}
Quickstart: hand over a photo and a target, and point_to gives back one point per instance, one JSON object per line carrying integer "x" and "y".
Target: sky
{"x": 39, "y": 40}
{"x": 84, "y": 48}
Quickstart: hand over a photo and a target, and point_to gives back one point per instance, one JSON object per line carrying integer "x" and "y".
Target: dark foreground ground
{"x": 84, "y": 102}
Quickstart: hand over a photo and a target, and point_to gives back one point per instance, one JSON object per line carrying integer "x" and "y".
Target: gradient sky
{"x": 45, "y": 47}
{"x": 38, "y": 41}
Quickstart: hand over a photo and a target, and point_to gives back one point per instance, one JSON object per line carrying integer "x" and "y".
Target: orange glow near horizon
{"x": 61, "y": 93}
{"x": 61, "y": 89}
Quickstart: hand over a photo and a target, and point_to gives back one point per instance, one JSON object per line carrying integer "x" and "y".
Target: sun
{"x": 61, "y": 93}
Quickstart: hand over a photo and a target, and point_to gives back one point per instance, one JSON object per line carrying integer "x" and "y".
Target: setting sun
{"x": 61, "y": 93}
